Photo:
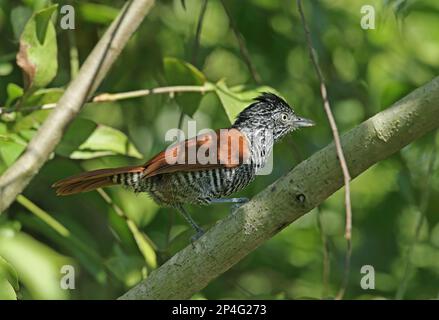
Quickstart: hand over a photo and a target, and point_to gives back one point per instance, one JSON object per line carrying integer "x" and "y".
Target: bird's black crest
{"x": 265, "y": 106}
{"x": 271, "y": 98}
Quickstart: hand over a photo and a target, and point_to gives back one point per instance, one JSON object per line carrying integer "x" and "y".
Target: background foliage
{"x": 115, "y": 238}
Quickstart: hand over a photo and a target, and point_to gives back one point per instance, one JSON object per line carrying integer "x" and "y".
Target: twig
{"x": 91, "y": 74}
{"x": 339, "y": 150}
{"x": 242, "y": 47}
{"x": 280, "y": 204}
{"x": 44, "y": 216}
{"x": 196, "y": 45}
{"x": 109, "y": 97}
{"x": 106, "y": 97}
{"x": 426, "y": 191}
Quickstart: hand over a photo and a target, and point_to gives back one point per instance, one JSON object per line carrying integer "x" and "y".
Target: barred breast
{"x": 195, "y": 187}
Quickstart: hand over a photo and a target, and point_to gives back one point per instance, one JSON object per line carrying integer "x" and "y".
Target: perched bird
{"x": 206, "y": 168}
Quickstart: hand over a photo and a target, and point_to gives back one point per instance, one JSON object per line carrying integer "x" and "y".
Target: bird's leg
{"x": 230, "y": 200}
{"x": 237, "y": 202}
{"x": 198, "y": 230}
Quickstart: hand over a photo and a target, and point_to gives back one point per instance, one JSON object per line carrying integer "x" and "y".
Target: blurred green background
{"x": 115, "y": 239}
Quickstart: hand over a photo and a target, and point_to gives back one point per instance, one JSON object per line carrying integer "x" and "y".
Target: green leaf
{"x": 178, "y": 72}
{"x": 9, "y": 273}
{"x": 85, "y": 140}
{"x": 38, "y": 49}
{"x": 10, "y": 151}
{"x": 235, "y": 99}
{"x": 144, "y": 246}
{"x": 7, "y": 292}
{"x": 79, "y": 131}
{"x": 32, "y": 120}
{"x": 38, "y": 265}
{"x": 6, "y": 68}
{"x": 44, "y": 96}
{"x": 43, "y": 223}
{"x": 12, "y": 145}
{"x": 97, "y": 13}
{"x": 36, "y": 118}
{"x": 14, "y": 92}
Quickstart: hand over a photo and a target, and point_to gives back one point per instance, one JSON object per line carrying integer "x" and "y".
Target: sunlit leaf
{"x": 37, "y": 56}
{"x": 178, "y": 72}
{"x": 44, "y": 96}
{"x": 36, "y": 118}
{"x": 83, "y": 251}
{"x": 8, "y": 273}
{"x": 144, "y": 246}
{"x": 7, "y": 292}
{"x": 37, "y": 264}
{"x": 235, "y": 99}
{"x": 14, "y": 92}
{"x": 12, "y": 146}
{"x": 6, "y": 68}
{"x": 97, "y": 13}
{"x": 85, "y": 140}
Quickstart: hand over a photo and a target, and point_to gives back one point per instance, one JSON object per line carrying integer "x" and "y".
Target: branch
{"x": 94, "y": 69}
{"x": 290, "y": 197}
{"x": 109, "y": 97}
{"x": 105, "y": 97}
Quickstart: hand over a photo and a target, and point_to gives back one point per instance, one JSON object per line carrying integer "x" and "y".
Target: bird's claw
{"x": 237, "y": 205}
{"x": 196, "y": 236}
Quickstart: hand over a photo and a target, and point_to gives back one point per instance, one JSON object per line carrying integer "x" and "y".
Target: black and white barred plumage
{"x": 256, "y": 129}
{"x": 263, "y": 123}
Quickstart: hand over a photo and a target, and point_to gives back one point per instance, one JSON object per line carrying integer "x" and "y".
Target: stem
{"x": 339, "y": 150}
{"x": 106, "y": 97}
{"x": 242, "y": 47}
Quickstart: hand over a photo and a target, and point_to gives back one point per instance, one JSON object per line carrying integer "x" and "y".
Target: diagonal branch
{"x": 293, "y": 195}
{"x": 91, "y": 74}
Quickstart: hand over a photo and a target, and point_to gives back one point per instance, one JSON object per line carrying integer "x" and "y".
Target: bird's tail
{"x": 91, "y": 180}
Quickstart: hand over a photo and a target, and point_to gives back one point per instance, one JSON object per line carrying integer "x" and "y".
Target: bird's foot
{"x": 238, "y": 203}
{"x": 196, "y": 236}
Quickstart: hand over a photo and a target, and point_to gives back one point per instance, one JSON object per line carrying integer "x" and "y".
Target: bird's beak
{"x": 303, "y": 122}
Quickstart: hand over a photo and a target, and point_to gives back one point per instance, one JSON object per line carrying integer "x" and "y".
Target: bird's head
{"x": 271, "y": 112}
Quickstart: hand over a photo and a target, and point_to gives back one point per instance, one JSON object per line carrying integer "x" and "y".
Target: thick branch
{"x": 293, "y": 195}
{"x": 94, "y": 69}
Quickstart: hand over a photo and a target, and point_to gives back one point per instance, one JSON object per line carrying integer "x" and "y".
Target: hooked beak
{"x": 303, "y": 122}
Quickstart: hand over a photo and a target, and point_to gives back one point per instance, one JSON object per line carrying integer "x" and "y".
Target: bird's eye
{"x": 284, "y": 117}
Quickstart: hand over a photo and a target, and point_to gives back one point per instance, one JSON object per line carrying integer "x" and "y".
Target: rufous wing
{"x": 223, "y": 148}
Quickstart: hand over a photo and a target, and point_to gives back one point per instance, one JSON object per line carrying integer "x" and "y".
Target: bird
{"x": 205, "y": 169}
